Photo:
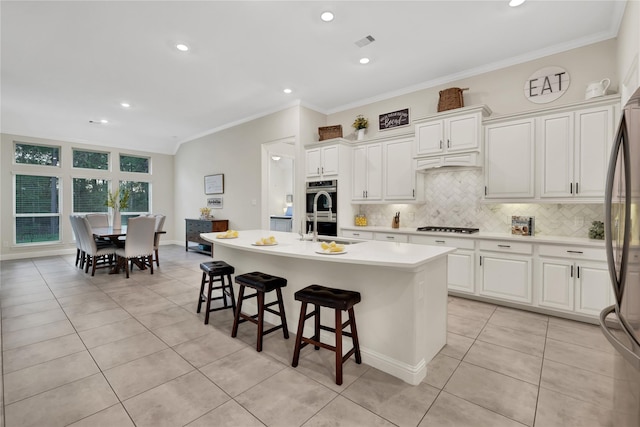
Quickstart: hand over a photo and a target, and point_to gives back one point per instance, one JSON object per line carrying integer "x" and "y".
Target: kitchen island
{"x": 402, "y": 318}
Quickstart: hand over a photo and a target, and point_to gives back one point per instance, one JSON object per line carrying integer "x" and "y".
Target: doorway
{"x": 278, "y": 185}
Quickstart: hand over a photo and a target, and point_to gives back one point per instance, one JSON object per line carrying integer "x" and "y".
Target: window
{"x": 37, "y": 154}
{"x": 134, "y": 164}
{"x": 37, "y": 209}
{"x": 90, "y": 160}
{"x": 90, "y": 195}
{"x": 138, "y": 199}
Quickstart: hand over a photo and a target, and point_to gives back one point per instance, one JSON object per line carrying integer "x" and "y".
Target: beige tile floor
{"x": 107, "y": 351}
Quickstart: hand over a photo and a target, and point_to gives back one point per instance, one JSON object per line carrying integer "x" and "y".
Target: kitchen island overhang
{"x": 402, "y": 318}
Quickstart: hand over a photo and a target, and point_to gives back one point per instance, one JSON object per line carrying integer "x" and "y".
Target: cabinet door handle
{"x": 391, "y": 237}
{"x": 448, "y": 143}
{"x": 322, "y": 169}
{"x": 575, "y": 252}
{"x": 413, "y": 192}
{"x": 504, "y": 246}
{"x": 485, "y": 190}
{"x": 318, "y": 171}
{"x": 366, "y": 194}
{"x": 572, "y": 271}
{"x": 577, "y": 188}
{"x": 356, "y": 234}
{"x": 481, "y": 260}
{"x": 578, "y": 270}
{"x": 440, "y": 241}
{"x": 441, "y": 144}
{"x": 571, "y": 187}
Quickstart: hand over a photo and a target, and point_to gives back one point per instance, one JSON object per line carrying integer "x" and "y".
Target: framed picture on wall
{"x": 215, "y": 202}
{"x": 214, "y": 184}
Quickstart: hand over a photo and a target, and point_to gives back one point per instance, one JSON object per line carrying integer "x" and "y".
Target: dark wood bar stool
{"x": 340, "y": 300}
{"x": 262, "y": 283}
{"x": 212, "y": 272}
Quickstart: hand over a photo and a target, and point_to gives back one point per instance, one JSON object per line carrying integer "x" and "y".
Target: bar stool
{"x": 215, "y": 271}
{"x": 262, "y": 283}
{"x": 340, "y": 300}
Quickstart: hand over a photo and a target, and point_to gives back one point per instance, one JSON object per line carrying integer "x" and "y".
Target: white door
{"x": 506, "y": 277}
{"x": 430, "y": 137}
{"x": 593, "y": 288}
{"x": 313, "y": 163}
{"x": 400, "y": 175}
{"x": 463, "y": 133}
{"x": 330, "y": 161}
{"x": 556, "y": 287}
{"x": 593, "y": 140}
{"x": 509, "y": 160}
{"x": 556, "y": 140}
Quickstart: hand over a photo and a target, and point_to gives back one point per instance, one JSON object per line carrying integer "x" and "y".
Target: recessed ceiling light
{"x": 287, "y": 91}
{"x": 104, "y": 122}
{"x": 516, "y": 3}
{"x": 327, "y": 16}
{"x": 125, "y": 104}
{"x": 364, "y": 60}
{"x": 182, "y": 47}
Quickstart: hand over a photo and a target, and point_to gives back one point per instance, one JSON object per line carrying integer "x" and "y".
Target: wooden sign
{"x": 546, "y": 85}
{"x": 394, "y": 119}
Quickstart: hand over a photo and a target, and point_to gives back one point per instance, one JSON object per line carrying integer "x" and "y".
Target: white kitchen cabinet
{"x": 575, "y": 150}
{"x": 460, "y": 264}
{"x": 367, "y": 173}
{"x": 322, "y": 162}
{"x": 399, "y": 171}
{"x": 450, "y": 132}
{"x": 593, "y": 288}
{"x": 505, "y": 270}
{"x": 357, "y": 234}
{"x": 573, "y": 278}
{"x": 509, "y": 160}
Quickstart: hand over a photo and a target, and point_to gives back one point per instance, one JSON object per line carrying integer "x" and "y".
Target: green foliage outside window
{"x": 37, "y": 196}
{"x": 134, "y": 164}
{"x": 90, "y": 160}
{"x": 138, "y": 196}
{"x": 89, "y": 195}
{"x": 37, "y": 154}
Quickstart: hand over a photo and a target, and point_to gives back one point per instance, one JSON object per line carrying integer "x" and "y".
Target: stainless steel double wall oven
{"x": 327, "y": 224}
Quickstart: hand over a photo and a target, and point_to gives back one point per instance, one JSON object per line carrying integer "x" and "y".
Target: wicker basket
{"x": 329, "y": 132}
{"x": 451, "y": 99}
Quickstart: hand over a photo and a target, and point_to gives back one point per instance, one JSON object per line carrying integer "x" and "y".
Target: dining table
{"x": 114, "y": 235}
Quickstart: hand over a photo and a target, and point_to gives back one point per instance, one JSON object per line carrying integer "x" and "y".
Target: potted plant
{"x": 205, "y": 213}
{"x": 360, "y": 124}
{"x": 117, "y": 201}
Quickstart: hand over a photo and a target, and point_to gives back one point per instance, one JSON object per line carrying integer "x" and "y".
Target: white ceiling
{"x": 66, "y": 63}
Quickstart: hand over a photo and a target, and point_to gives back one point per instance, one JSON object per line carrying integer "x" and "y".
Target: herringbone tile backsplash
{"x": 454, "y": 198}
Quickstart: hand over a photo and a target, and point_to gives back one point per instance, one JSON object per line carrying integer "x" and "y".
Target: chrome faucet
{"x": 315, "y": 212}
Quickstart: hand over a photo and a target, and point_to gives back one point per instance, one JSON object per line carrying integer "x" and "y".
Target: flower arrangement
{"x": 205, "y": 212}
{"x": 360, "y": 122}
{"x": 117, "y": 201}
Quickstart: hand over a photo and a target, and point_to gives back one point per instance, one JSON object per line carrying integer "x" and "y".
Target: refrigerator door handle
{"x": 625, "y": 352}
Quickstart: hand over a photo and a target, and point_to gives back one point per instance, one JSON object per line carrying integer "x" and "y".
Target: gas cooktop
{"x": 449, "y": 229}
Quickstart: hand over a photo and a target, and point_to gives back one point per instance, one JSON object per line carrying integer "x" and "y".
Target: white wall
{"x": 160, "y": 178}
{"x": 628, "y": 50}
{"x": 237, "y": 153}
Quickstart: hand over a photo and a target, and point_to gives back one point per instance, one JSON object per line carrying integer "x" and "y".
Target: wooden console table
{"x": 197, "y": 226}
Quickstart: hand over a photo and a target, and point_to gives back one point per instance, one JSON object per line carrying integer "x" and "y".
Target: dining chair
{"x": 139, "y": 244}
{"x": 98, "y": 219}
{"x": 96, "y": 256}
{"x": 73, "y": 219}
{"x": 156, "y": 239}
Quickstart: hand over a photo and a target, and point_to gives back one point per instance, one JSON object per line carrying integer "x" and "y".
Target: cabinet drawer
{"x": 444, "y": 241}
{"x": 391, "y": 237}
{"x": 574, "y": 252}
{"x": 358, "y": 234}
{"x": 221, "y": 225}
{"x": 506, "y": 246}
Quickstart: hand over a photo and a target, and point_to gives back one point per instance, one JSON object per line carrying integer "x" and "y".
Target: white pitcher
{"x": 595, "y": 89}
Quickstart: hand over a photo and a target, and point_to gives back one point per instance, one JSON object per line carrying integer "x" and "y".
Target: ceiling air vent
{"x": 365, "y": 41}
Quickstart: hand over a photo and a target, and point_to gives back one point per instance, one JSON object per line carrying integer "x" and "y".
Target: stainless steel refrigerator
{"x": 620, "y": 322}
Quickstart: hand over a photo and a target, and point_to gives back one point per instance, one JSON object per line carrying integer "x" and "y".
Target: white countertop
{"x": 366, "y": 252}
{"x": 541, "y": 238}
